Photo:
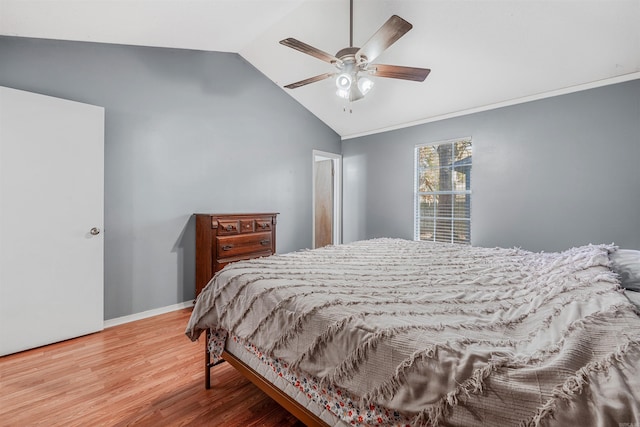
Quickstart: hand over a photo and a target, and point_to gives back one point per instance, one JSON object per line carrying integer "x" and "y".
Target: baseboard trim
{"x": 145, "y": 314}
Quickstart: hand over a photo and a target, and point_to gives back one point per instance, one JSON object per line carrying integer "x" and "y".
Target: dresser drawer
{"x": 228, "y": 226}
{"x": 247, "y": 226}
{"x": 263, "y": 224}
{"x": 222, "y": 263}
{"x": 231, "y": 246}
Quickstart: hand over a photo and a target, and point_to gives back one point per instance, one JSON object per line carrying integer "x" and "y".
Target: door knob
{"x": 94, "y": 231}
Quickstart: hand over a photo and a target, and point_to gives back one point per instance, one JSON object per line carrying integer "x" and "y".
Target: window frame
{"x": 416, "y": 193}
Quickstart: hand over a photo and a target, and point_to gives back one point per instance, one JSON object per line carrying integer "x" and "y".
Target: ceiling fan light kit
{"x": 347, "y": 90}
{"x": 343, "y": 81}
{"x": 351, "y": 61}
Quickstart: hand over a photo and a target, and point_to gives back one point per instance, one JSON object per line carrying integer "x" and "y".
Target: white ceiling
{"x": 482, "y": 53}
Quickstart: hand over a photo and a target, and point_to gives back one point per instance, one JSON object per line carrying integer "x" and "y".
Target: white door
{"x": 51, "y": 196}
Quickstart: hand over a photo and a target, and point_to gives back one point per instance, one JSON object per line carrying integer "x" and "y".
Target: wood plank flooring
{"x": 144, "y": 373}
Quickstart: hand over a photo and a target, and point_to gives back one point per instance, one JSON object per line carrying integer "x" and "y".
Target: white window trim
{"x": 416, "y": 185}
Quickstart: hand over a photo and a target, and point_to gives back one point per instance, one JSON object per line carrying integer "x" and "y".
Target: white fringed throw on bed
{"x": 447, "y": 334}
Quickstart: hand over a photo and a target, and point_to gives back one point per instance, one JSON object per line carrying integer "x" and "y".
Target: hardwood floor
{"x": 144, "y": 373}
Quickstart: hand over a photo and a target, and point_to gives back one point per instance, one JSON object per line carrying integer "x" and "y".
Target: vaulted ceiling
{"x": 482, "y": 53}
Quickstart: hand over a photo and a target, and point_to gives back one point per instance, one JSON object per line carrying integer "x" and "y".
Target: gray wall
{"x": 547, "y": 175}
{"x": 185, "y": 131}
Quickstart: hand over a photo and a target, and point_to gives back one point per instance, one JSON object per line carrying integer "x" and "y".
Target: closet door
{"x": 51, "y": 219}
{"x": 323, "y": 206}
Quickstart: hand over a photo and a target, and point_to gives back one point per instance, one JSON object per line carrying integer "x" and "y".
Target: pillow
{"x": 626, "y": 263}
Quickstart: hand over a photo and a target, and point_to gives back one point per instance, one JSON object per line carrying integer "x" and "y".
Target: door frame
{"x": 318, "y": 155}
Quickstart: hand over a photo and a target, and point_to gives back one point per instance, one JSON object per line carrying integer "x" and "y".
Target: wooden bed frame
{"x": 287, "y": 402}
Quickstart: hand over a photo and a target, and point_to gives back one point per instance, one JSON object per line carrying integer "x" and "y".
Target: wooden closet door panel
{"x": 323, "y": 203}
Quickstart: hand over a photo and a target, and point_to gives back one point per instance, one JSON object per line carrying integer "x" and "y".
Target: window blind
{"x": 443, "y": 191}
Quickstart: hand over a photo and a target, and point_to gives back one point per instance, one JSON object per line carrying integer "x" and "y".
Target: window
{"x": 443, "y": 191}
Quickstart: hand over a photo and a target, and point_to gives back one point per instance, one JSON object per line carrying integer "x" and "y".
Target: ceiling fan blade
{"x": 398, "y": 72}
{"x": 310, "y": 50}
{"x": 309, "y": 80}
{"x": 388, "y": 34}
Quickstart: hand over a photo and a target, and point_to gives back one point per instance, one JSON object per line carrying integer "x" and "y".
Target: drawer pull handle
{"x": 265, "y": 242}
{"x": 230, "y": 227}
{"x": 264, "y": 225}
{"x": 227, "y": 247}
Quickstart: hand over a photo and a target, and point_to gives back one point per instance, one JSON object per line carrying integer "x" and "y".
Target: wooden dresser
{"x": 221, "y": 239}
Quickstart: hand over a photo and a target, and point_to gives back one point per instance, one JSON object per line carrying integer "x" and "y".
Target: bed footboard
{"x": 287, "y": 402}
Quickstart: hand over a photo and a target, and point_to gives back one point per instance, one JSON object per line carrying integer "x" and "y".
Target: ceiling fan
{"x": 353, "y": 64}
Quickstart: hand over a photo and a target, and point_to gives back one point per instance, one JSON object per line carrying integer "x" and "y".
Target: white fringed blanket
{"x": 446, "y": 334}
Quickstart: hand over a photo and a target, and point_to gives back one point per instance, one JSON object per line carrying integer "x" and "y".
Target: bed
{"x": 396, "y": 332}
